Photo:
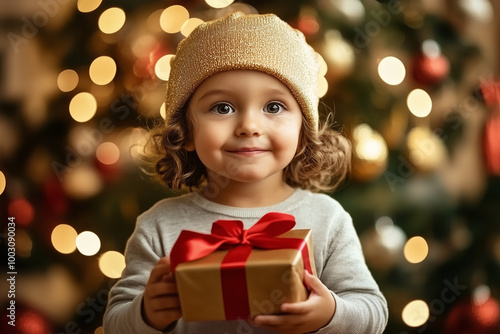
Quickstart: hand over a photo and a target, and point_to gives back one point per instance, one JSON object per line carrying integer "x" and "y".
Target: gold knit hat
{"x": 246, "y": 42}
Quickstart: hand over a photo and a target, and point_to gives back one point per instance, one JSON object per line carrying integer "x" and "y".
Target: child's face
{"x": 246, "y": 125}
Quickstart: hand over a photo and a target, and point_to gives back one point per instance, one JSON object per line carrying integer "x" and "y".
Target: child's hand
{"x": 306, "y": 316}
{"x": 161, "y": 305}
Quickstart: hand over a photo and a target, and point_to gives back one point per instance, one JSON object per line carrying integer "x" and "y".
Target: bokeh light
{"x": 88, "y": 243}
{"x": 99, "y": 330}
{"x": 63, "y": 238}
{"x": 83, "y": 107}
{"x": 162, "y": 67}
{"x": 83, "y": 182}
{"x": 22, "y": 211}
{"x": 391, "y": 235}
{"x": 322, "y": 86}
{"x": 3, "y": 182}
{"x": 172, "y": 18}
{"x": 416, "y": 250}
{"x": 391, "y": 70}
{"x": 190, "y": 25}
{"x": 111, "y": 20}
{"x": 419, "y": 103}
{"x": 426, "y": 150}
{"x": 219, "y": 3}
{"x": 415, "y": 313}
{"x": 67, "y": 80}
{"x": 112, "y": 264}
{"x": 107, "y": 153}
{"x": 163, "y": 110}
{"x": 24, "y": 244}
{"x": 87, "y": 6}
{"x": 369, "y": 144}
{"x": 102, "y": 70}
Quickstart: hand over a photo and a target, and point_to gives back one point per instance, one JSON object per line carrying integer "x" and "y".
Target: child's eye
{"x": 274, "y": 107}
{"x": 222, "y": 108}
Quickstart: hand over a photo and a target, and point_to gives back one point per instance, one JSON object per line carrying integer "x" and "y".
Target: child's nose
{"x": 249, "y": 123}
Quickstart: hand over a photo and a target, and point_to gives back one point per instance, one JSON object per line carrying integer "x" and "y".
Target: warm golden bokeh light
{"x": 67, "y": 80}
{"x": 419, "y": 103}
{"x": 87, "y": 6}
{"x": 111, "y": 20}
{"x": 107, "y": 153}
{"x": 391, "y": 70}
{"x": 112, "y": 264}
{"x": 83, "y": 107}
{"x": 415, "y": 313}
{"x": 172, "y": 18}
{"x": 190, "y": 25}
{"x": 416, "y": 250}
{"x": 323, "y": 66}
{"x": 102, "y": 70}
{"x": 63, "y": 238}
{"x": 88, "y": 243}
{"x": 219, "y": 3}
{"x": 426, "y": 150}
{"x": 83, "y": 182}
{"x": 163, "y": 110}
{"x": 3, "y": 182}
{"x": 370, "y": 145}
{"x": 322, "y": 86}
{"x": 162, "y": 67}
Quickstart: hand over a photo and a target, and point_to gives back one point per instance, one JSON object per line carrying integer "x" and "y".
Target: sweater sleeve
{"x": 123, "y": 314}
{"x": 360, "y": 306}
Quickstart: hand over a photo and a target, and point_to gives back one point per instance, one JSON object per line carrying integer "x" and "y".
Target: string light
{"x": 162, "y": 67}
{"x": 3, "y": 182}
{"x": 102, "y": 70}
{"x": 219, "y": 3}
{"x": 391, "y": 70}
{"x": 172, "y": 18}
{"x": 416, "y": 250}
{"x": 419, "y": 103}
{"x": 88, "y": 243}
{"x": 107, "y": 153}
{"x": 112, "y": 264}
{"x": 111, "y": 20}
{"x": 87, "y": 6}
{"x": 190, "y": 25}
{"x": 67, "y": 80}
{"x": 415, "y": 313}
{"x": 63, "y": 238}
{"x": 83, "y": 107}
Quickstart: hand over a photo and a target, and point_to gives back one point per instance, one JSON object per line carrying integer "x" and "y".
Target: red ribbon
{"x": 229, "y": 234}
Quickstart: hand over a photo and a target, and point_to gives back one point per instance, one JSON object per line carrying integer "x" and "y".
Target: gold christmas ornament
{"x": 245, "y": 42}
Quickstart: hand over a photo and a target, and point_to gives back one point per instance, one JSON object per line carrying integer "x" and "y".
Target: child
{"x": 242, "y": 127}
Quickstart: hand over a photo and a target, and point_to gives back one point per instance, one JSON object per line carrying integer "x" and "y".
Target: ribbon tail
{"x": 234, "y": 283}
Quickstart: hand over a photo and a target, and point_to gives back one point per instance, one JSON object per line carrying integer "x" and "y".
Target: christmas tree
{"x": 414, "y": 85}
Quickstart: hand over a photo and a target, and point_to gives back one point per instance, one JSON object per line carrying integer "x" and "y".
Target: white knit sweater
{"x": 361, "y": 307}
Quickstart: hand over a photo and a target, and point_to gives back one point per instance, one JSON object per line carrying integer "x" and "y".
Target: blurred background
{"x": 414, "y": 84}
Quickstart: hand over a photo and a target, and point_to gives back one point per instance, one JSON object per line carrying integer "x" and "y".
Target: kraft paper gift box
{"x": 219, "y": 286}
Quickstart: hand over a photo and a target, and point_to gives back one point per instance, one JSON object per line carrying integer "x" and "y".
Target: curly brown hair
{"x": 322, "y": 161}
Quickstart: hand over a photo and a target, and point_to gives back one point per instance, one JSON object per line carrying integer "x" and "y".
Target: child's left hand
{"x": 303, "y": 317}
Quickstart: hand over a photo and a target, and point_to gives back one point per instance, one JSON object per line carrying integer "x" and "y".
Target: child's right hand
{"x": 160, "y": 304}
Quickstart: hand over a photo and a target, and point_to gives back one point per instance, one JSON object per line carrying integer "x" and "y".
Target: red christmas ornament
{"x": 491, "y": 92}
{"x": 492, "y": 145}
{"x": 430, "y": 70}
{"x": 468, "y": 317}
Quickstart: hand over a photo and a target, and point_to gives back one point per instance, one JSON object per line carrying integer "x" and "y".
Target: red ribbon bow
{"x": 229, "y": 234}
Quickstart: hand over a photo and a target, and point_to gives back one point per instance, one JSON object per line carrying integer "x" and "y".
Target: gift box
{"x": 236, "y": 273}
